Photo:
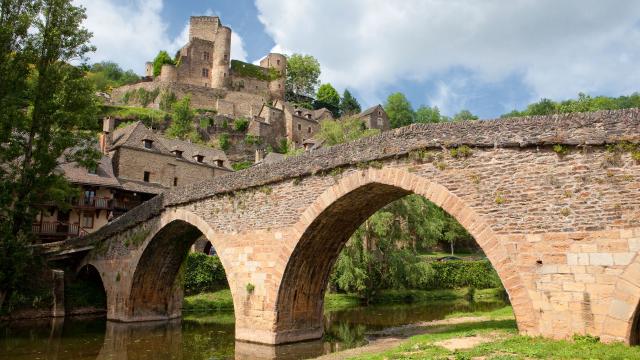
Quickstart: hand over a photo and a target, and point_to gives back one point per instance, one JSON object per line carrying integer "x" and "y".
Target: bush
{"x": 167, "y": 99}
{"x": 224, "y": 142}
{"x": 241, "y": 165}
{"x": 240, "y": 124}
{"x": 203, "y": 273}
{"x": 458, "y": 273}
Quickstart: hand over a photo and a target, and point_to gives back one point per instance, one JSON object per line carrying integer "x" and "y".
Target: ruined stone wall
{"x": 199, "y": 57}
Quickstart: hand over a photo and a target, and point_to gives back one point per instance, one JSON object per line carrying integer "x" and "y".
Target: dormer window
{"x": 219, "y": 163}
{"x": 298, "y": 112}
{"x": 308, "y": 116}
{"x": 148, "y": 143}
{"x": 198, "y": 158}
{"x": 178, "y": 154}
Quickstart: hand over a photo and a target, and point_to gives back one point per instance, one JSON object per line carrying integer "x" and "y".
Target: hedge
{"x": 459, "y": 273}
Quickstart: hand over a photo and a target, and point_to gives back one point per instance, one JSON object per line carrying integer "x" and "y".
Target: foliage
{"x": 460, "y": 152}
{"x": 203, "y": 273}
{"x": 349, "y": 104}
{"x": 149, "y": 117}
{"x": 303, "y": 73}
{"x": 223, "y": 142}
{"x": 328, "y": 97}
{"x": 167, "y": 100}
{"x": 252, "y": 139}
{"x": 584, "y": 103}
{"x": 107, "y": 75}
{"x": 240, "y": 124}
{"x": 464, "y": 115}
{"x": 140, "y": 96}
{"x": 161, "y": 59}
{"x": 343, "y": 130}
{"x": 399, "y": 110}
{"x": 426, "y": 114}
{"x": 182, "y": 125}
{"x": 241, "y": 165}
{"x": 48, "y": 115}
{"x": 243, "y": 69}
{"x": 560, "y": 149}
{"x": 459, "y": 273}
{"x": 85, "y": 293}
{"x": 250, "y": 287}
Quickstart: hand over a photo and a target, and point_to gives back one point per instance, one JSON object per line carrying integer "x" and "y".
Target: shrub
{"x": 241, "y": 165}
{"x": 167, "y": 99}
{"x": 252, "y": 140}
{"x": 458, "y": 273}
{"x": 224, "y": 142}
{"x": 240, "y": 124}
{"x": 203, "y": 273}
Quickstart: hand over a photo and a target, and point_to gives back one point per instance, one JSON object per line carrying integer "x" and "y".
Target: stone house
{"x": 375, "y": 118}
{"x": 136, "y": 165}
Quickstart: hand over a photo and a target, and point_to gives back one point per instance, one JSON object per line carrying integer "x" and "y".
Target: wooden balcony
{"x": 57, "y": 230}
{"x": 93, "y": 202}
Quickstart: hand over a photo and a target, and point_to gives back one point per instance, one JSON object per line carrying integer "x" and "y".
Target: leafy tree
{"x": 584, "y": 103}
{"x": 48, "y": 115}
{"x": 464, "y": 115}
{"x": 107, "y": 75}
{"x": 161, "y": 59}
{"x": 349, "y": 104}
{"x": 426, "y": 114}
{"x": 399, "y": 110}
{"x": 303, "y": 73}
{"x": 343, "y": 130}
{"x": 182, "y": 124}
{"x": 328, "y": 97}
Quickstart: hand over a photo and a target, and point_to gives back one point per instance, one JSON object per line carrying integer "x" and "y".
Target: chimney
{"x": 106, "y": 138}
{"x": 259, "y": 155}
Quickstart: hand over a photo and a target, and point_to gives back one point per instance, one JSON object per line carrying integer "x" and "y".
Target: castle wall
{"x": 250, "y": 85}
{"x": 203, "y": 27}
{"x": 221, "y": 57}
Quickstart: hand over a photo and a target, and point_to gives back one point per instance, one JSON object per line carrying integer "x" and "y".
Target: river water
{"x": 204, "y": 335}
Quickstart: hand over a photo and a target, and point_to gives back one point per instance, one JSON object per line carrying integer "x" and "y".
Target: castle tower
{"x": 204, "y": 27}
{"x": 221, "y": 57}
{"x": 279, "y": 63}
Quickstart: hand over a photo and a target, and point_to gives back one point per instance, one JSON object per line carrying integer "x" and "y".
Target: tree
{"x": 349, "y": 104}
{"x": 303, "y": 73}
{"x": 182, "y": 123}
{"x": 107, "y": 75}
{"x": 328, "y": 97}
{"x": 48, "y": 116}
{"x": 399, "y": 110}
{"x": 161, "y": 59}
{"x": 426, "y": 114}
{"x": 464, "y": 115}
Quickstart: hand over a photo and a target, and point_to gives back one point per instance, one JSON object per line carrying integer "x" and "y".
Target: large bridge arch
{"x": 327, "y": 224}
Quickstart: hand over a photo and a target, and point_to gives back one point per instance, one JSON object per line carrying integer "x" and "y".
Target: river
{"x": 204, "y": 335}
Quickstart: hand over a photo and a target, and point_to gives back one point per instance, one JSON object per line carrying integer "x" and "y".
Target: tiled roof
{"x": 103, "y": 177}
{"x": 369, "y": 110}
{"x": 141, "y": 186}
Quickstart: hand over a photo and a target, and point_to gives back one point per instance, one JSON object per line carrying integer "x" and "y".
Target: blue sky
{"x": 487, "y": 56}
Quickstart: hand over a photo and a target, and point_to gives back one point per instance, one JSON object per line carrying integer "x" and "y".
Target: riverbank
{"x": 477, "y": 335}
{"x": 222, "y": 300}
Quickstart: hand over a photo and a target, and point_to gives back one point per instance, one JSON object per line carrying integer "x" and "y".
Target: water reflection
{"x": 202, "y": 336}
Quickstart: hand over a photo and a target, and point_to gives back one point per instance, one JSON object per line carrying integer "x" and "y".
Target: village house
{"x": 136, "y": 165}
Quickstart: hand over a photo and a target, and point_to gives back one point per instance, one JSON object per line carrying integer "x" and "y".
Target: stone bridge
{"x": 554, "y": 203}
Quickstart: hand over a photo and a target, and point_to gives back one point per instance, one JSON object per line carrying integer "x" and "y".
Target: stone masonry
{"x": 561, "y": 226}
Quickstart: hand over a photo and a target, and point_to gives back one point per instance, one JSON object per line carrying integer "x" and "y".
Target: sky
{"x": 489, "y": 56}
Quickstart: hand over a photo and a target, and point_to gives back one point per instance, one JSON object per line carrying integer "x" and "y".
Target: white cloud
{"x": 559, "y": 47}
{"x": 237, "y": 47}
{"x": 132, "y": 33}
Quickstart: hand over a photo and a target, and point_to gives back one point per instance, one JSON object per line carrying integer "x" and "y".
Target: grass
{"x": 146, "y": 115}
{"x": 334, "y": 302}
{"x": 507, "y": 344}
{"x": 218, "y": 300}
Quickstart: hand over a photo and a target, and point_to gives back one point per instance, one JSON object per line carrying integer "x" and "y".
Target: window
{"x": 219, "y": 163}
{"x": 146, "y": 176}
{"x": 175, "y": 181}
{"x": 205, "y": 72}
{"x": 379, "y": 112}
{"x": 178, "y": 154}
{"x": 199, "y": 158}
{"x": 278, "y": 61}
{"x": 309, "y": 130}
{"x": 225, "y": 57}
{"x": 87, "y": 220}
{"x": 147, "y": 143}
{"x": 205, "y": 55}
{"x": 299, "y": 127}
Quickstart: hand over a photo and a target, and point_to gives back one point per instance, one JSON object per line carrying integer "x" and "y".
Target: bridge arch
{"x": 154, "y": 292}
{"x": 327, "y": 224}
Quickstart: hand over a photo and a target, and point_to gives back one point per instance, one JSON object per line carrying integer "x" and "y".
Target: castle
{"x": 206, "y": 61}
